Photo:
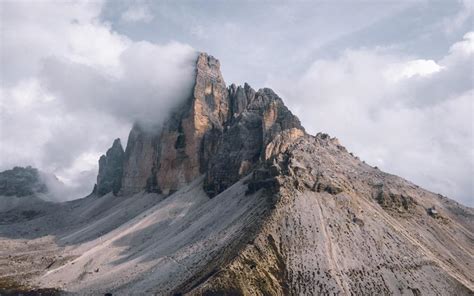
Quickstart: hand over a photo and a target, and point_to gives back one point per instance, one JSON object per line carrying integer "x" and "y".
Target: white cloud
{"x": 70, "y": 85}
{"x": 464, "y": 48}
{"x": 411, "y": 68}
{"x": 409, "y": 116}
{"x": 31, "y": 31}
{"x": 139, "y": 13}
{"x": 151, "y": 77}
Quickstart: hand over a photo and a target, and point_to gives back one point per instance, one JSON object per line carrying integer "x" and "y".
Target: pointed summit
{"x": 163, "y": 160}
{"x": 109, "y": 178}
{"x": 217, "y": 131}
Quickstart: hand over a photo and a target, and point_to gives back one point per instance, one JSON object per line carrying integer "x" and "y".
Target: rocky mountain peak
{"x": 262, "y": 208}
{"x": 109, "y": 178}
{"x": 165, "y": 159}
{"x": 260, "y": 123}
{"x": 116, "y": 145}
{"x": 239, "y": 98}
{"x": 218, "y": 131}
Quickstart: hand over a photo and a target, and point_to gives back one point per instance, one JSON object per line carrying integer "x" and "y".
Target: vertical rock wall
{"x": 180, "y": 158}
{"x": 110, "y": 174}
{"x": 218, "y": 131}
{"x": 165, "y": 159}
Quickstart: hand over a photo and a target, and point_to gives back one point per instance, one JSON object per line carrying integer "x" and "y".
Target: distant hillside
{"x": 21, "y": 181}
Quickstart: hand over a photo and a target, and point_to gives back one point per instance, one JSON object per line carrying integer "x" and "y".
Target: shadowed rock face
{"x": 140, "y": 158}
{"x": 21, "y": 182}
{"x": 109, "y": 178}
{"x": 258, "y": 119}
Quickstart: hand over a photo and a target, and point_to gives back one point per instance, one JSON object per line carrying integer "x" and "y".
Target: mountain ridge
{"x": 202, "y": 125}
{"x": 232, "y": 197}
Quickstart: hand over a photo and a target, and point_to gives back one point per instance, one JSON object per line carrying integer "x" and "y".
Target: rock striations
{"x": 230, "y": 196}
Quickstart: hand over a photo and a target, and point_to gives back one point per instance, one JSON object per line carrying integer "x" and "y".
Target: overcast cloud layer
{"x": 392, "y": 80}
{"x": 408, "y": 116}
{"x": 70, "y": 85}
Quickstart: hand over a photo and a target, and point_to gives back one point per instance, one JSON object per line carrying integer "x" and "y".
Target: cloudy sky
{"x": 393, "y": 80}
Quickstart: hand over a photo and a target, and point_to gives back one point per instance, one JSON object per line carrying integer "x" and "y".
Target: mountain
{"x": 218, "y": 131}
{"x": 230, "y": 196}
{"x": 109, "y": 178}
{"x": 22, "y": 194}
{"x": 21, "y": 182}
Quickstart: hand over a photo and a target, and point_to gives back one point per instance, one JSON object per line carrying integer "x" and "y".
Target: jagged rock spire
{"x": 110, "y": 174}
{"x": 165, "y": 159}
{"x": 218, "y": 131}
{"x": 258, "y": 118}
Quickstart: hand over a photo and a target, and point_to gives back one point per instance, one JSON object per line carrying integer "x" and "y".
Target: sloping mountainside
{"x": 22, "y": 194}
{"x": 230, "y": 196}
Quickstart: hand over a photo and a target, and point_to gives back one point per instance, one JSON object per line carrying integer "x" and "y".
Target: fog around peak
{"x": 80, "y": 86}
{"x": 393, "y": 82}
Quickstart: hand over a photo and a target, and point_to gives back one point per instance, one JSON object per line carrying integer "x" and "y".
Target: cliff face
{"x": 258, "y": 118}
{"x": 164, "y": 159}
{"x": 140, "y": 158}
{"x": 109, "y": 178}
{"x": 214, "y": 123}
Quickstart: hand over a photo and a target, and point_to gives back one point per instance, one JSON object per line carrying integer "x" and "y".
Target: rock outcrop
{"x": 166, "y": 158}
{"x": 258, "y": 119}
{"x": 110, "y": 174}
{"x": 214, "y": 125}
{"x": 21, "y": 181}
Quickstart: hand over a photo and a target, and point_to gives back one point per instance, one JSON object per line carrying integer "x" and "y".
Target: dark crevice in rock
{"x": 181, "y": 140}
